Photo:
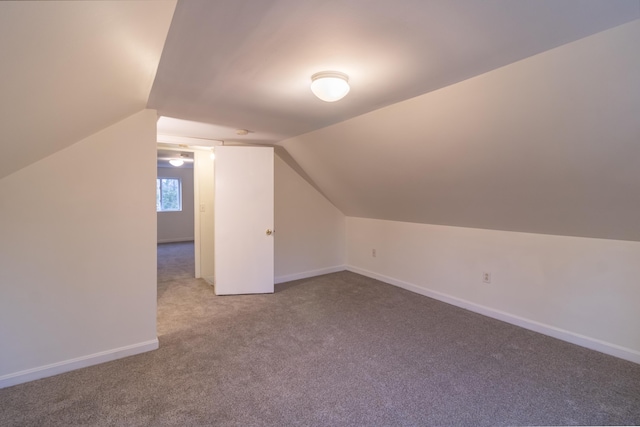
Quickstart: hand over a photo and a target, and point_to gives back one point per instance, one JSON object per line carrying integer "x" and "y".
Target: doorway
{"x": 247, "y": 204}
{"x": 191, "y": 220}
{"x": 175, "y": 196}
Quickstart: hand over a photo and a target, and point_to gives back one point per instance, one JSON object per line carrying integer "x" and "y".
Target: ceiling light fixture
{"x": 176, "y": 162}
{"x": 330, "y": 86}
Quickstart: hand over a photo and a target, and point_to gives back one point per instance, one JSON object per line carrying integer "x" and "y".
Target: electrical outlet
{"x": 373, "y": 253}
{"x": 486, "y": 277}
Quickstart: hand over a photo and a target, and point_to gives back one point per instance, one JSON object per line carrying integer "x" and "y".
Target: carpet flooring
{"x": 334, "y": 350}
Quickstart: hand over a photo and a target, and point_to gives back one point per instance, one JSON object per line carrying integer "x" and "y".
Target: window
{"x": 168, "y": 194}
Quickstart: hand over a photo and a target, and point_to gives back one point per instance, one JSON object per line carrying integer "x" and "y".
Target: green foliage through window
{"x": 168, "y": 194}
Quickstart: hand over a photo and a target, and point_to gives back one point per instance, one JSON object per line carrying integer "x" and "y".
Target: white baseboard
{"x": 307, "y": 274}
{"x": 552, "y": 331}
{"x": 77, "y": 363}
{"x": 176, "y": 240}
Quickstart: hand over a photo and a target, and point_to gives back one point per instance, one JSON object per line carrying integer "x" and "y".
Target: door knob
{"x": 269, "y": 232}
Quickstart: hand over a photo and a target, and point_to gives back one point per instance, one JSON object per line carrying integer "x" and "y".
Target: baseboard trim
{"x": 77, "y": 363}
{"x": 178, "y": 240}
{"x": 552, "y": 331}
{"x": 307, "y": 274}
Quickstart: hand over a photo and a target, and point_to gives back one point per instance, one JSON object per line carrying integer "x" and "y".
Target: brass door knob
{"x": 269, "y": 232}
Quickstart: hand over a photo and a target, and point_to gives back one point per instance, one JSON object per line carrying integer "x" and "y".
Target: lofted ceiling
{"x": 70, "y": 69}
{"x": 247, "y": 64}
{"x": 496, "y": 114}
{"x": 501, "y": 114}
{"x": 549, "y": 144}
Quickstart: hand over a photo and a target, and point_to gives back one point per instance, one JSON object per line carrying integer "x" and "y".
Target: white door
{"x": 243, "y": 220}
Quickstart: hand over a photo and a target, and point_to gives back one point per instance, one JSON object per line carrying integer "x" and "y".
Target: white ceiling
{"x": 247, "y": 64}
{"x": 549, "y": 144}
{"x": 164, "y": 155}
{"x": 498, "y": 114}
{"x": 69, "y": 69}
{"x": 514, "y": 115}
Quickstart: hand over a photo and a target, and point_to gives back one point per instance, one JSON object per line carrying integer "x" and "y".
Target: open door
{"x": 243, "y": 220}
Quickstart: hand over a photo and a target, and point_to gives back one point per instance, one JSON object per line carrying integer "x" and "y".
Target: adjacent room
{"x": 367, "y": 212}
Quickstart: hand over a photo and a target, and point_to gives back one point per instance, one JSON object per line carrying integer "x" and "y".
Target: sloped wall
{"x": 581, "y": 290}
{"x": 73, "y": 68}
{"x": 545, "y": 145}
{"x": 310, "y": 231}
{"x": 78, "y": 254}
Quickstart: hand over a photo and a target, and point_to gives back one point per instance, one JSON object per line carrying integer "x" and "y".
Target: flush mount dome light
{"x": 176, "y": 162}
{"x": 330, "y": 86}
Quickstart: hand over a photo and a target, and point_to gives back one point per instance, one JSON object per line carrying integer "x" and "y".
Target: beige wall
{"x": 204, "y": 243}
{"x": 581, "y": 290}
{"x": 310, "y": 231}
{"x": 75, "y": 68}
{"x": 177, "y": 226}
{"x": 78, "y": 254}
{"x": 545, "y": 145}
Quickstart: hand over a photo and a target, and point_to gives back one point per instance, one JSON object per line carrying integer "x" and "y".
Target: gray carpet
{"x": 335, "y": 350}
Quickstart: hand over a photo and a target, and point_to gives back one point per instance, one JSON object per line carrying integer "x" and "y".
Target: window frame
{"x": 159, "y": 192}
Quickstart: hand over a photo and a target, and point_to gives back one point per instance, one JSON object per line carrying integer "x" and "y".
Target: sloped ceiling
{"x": 501, "y": 114}
{"x": 550, "y": 144}
{"x": 72, "y": 68}
{"x": 247, "y": 64}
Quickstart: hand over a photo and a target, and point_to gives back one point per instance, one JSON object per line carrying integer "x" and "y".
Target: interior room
{"x": 175, "y": 216}
{"x": 367, "y": 212}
